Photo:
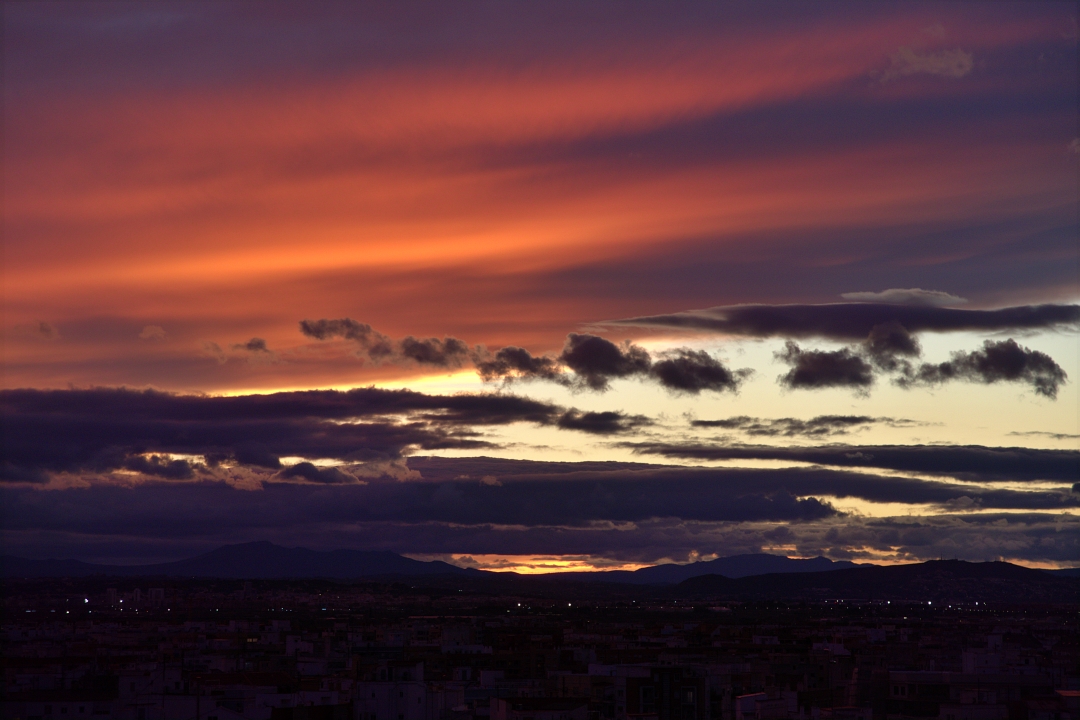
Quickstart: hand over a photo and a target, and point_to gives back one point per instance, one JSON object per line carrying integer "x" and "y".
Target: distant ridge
{"x": 933, "y": 581}
{"x": 739, "y": 576}
{"x": 264, "y": 559}
{"x": 246, "y": 560}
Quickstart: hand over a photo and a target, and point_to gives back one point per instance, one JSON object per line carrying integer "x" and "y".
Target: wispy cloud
{"x": 953, "y": 64}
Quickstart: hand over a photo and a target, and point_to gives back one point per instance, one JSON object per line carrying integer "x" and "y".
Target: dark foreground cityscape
{"x": 500, "y": 647}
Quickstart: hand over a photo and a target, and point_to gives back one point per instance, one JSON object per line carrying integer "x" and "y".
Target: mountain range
{"x": 246, "y": 560}
{"x": 267, "y": 560}
{"x": 933, "y": 581}
{"x": 752, "y": 576}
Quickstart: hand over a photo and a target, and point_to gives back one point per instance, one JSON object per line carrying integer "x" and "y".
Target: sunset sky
{"x": 545, "y": 285}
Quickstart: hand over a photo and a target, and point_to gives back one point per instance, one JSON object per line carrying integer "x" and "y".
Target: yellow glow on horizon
{"x": 535, "y": 564}
{"x": 465, "y": 379}
{"x": 547, "y": 564}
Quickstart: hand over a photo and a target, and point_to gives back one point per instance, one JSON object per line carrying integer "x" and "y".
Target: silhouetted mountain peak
{"x": 258, "y": 559}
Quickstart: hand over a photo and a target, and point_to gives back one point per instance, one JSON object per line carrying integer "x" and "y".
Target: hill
{"x": 246, "y": 560}
{"x": 934, "y": 581}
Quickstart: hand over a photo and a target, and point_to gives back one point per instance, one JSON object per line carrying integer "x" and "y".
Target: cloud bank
{"x": 888, "y": 346}
{"x": 586, "y": 361}
{"x": 855, "y": 321}
{"x": 966, "y": 462}
{"x": 820, "y": 426}
{"x": 616, "y": 510}
{"x": 105, "y": 430}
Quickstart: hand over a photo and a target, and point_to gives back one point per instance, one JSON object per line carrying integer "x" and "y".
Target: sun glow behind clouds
{"x": 533, "y": 564}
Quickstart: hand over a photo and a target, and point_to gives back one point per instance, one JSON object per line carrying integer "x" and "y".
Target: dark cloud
{"x": 47, "y": 331}
{"x": 442, "y": 468}
{"x": 485, "y": 409}
{"x": 74, "y": 443}
{"x": 890, "y": 348}
{"x": 160, "y": 467}
{"x": 820, "y": 426}
{"x": 601, "y": 423}
{"x": 1027, "y": 537}
{"x": 346, "y": 328}
{"x": 121, "y": 403}
{"x": 315, "y": 474}
{"x": 855, "y": 321}
{"x": 514, "y": 362}
{"x": 695, "y": 370}
{"x": 10, "y": 472}
{"x": 968, "y": 462}
{"x": 255, "y": 345}
{"x": 799, "y": 482}
{"x": 448, "y": 353}
{"x": 590, "y": 362}
{"x": 586, "y": 361}
{"x": 596, "y": 360}
{"x": 373, "y": 343}
{"x": 889, "y": 345}
{"x": 102, "y": 430}
{"x": 248, "y": 453}
{"x": 627, "y": 511}
{"x": 214, "y": 350}
{"x": 1041, "y": 433}
{"x": 814, "y": 369}
{"x": 997, "y": 361}
{"x": 574, "y": 500}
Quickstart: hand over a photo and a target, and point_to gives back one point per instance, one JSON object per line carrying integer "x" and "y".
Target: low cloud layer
{"x": 710, "y": 483}
{"x": 966, "y": 462}
{"x": 1023, "y": 537}
{"x": 573, "y": 500}
{"x": 820, "y": 426}
{"x": 601, "y": 423}
{"x": 105, "y": 430}
{"x": 622, "y": 511}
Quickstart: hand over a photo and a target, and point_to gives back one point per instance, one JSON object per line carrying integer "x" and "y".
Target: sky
{"x": 542, "y": 286}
